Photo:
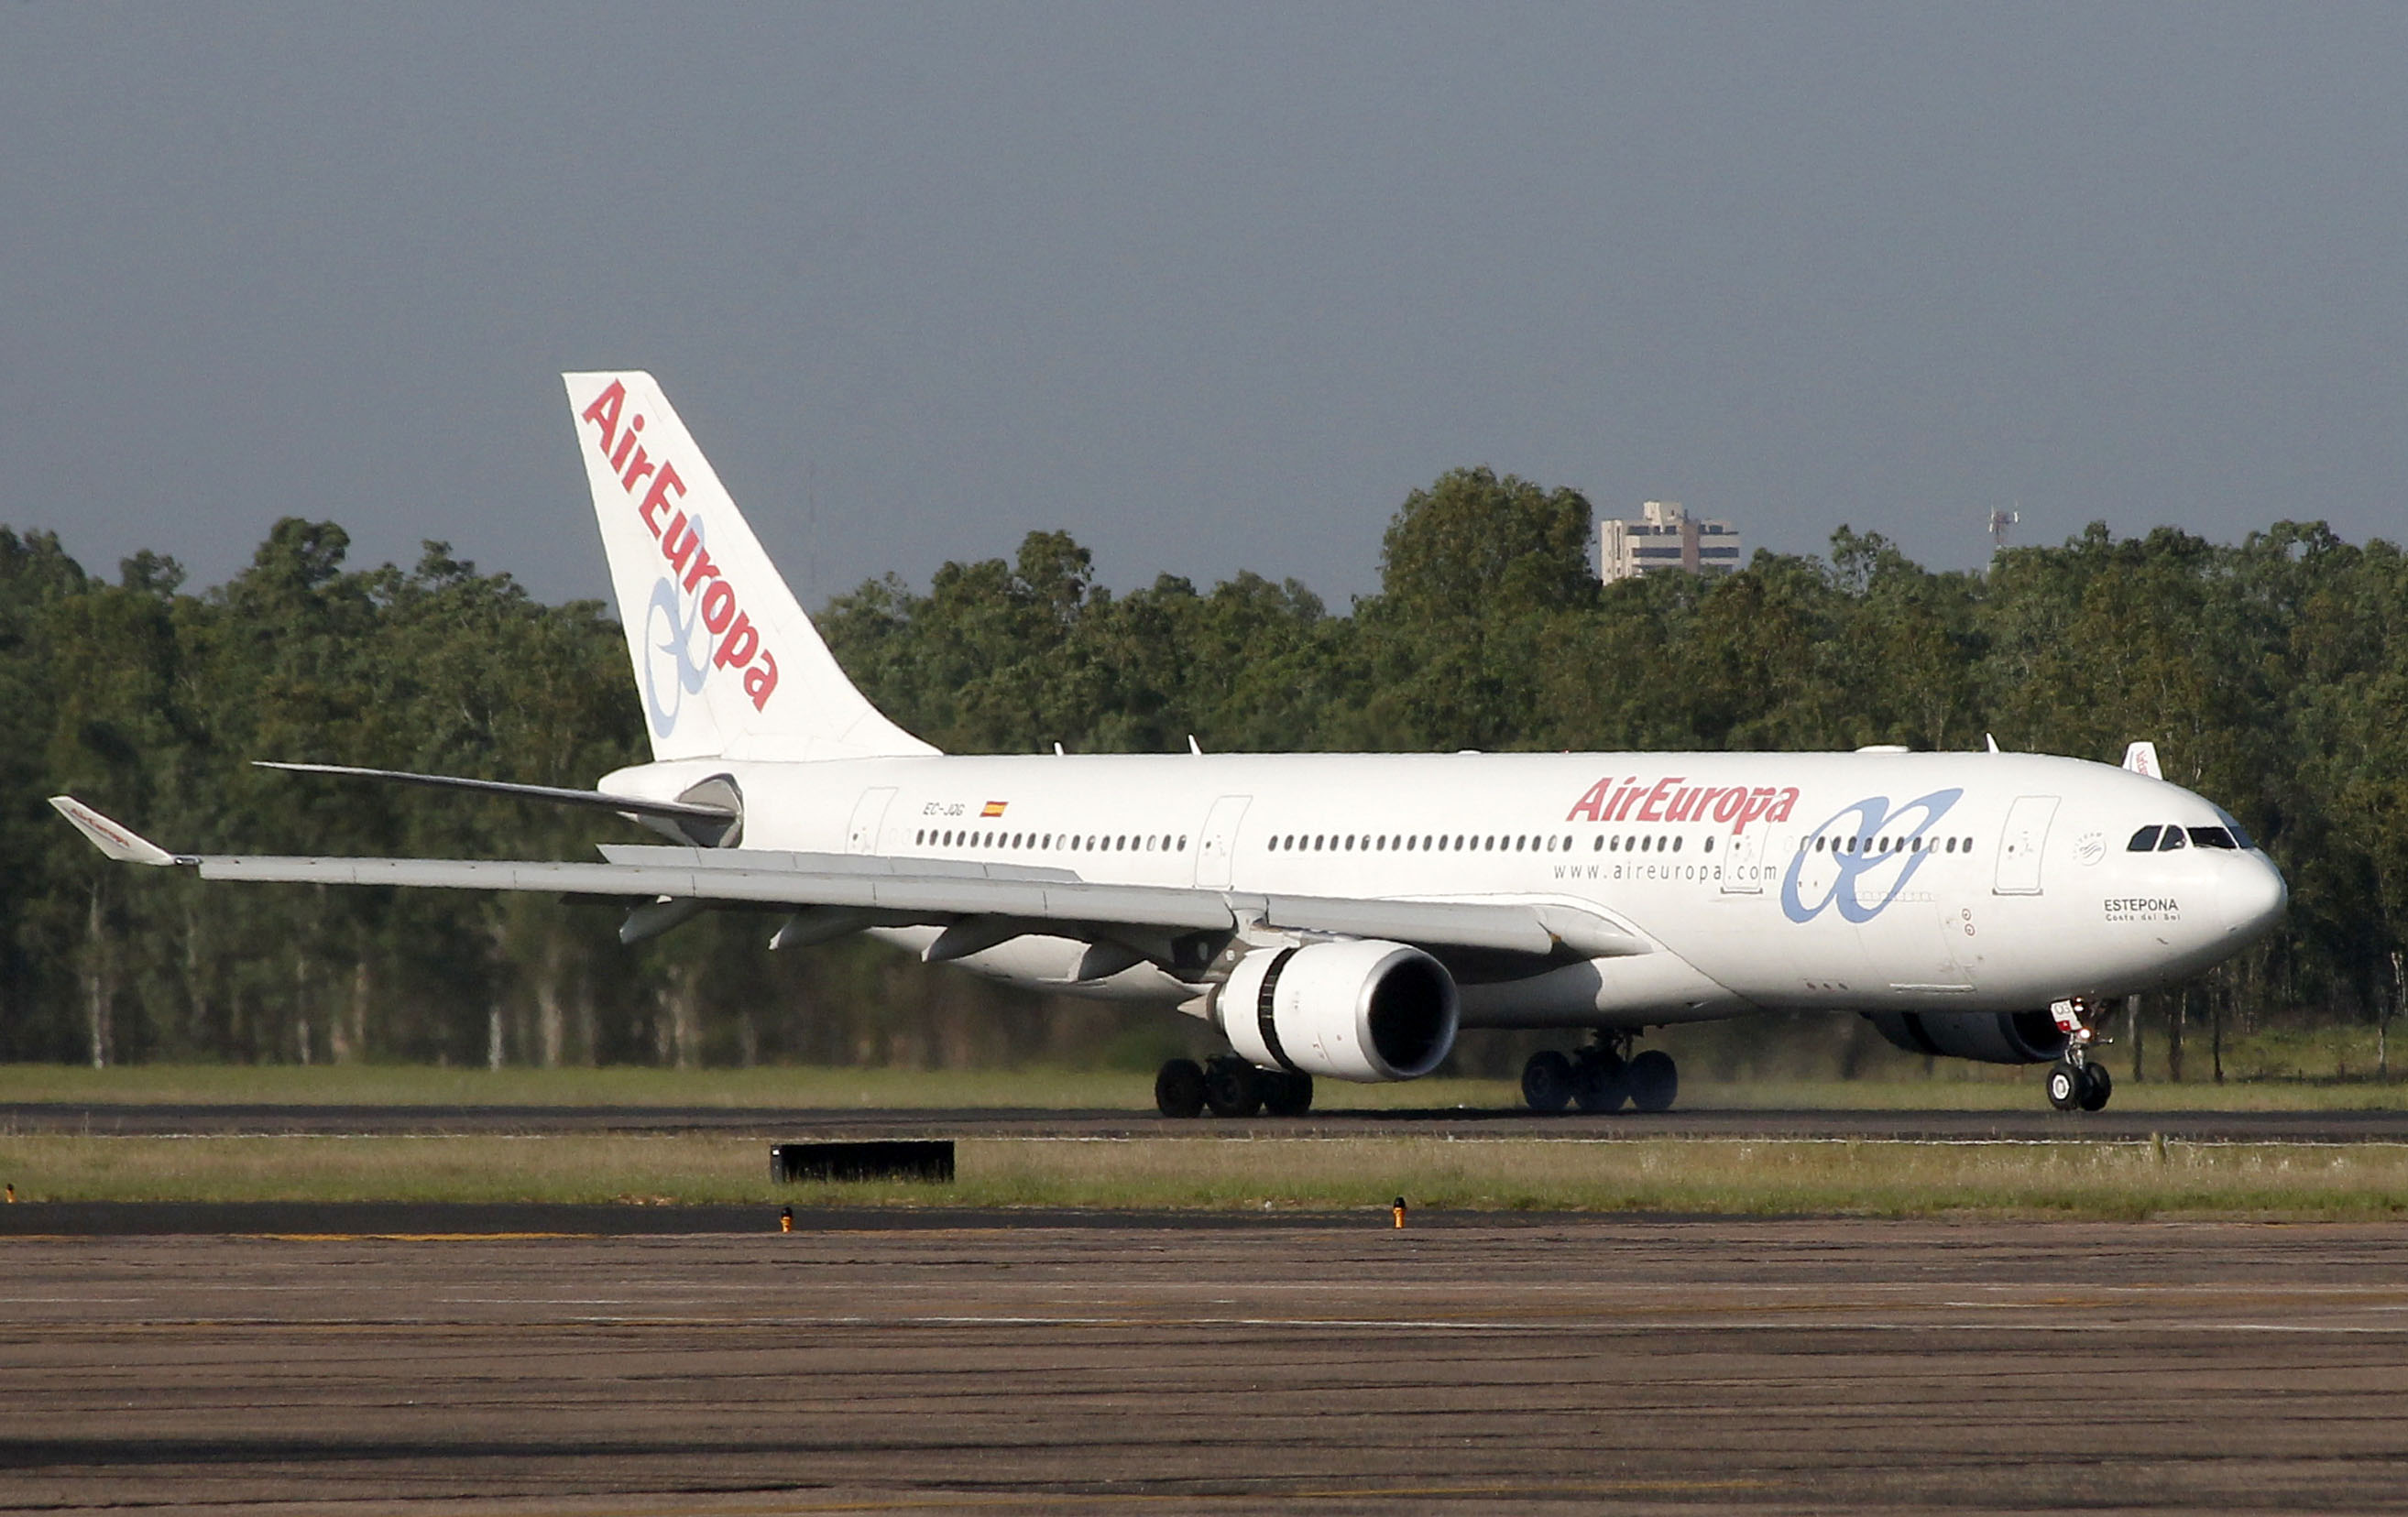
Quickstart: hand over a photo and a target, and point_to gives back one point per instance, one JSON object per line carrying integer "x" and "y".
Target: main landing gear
{"x": 2075, "y": 1083}
{"x": 1229, "y": 1086}
{"x": 1601, "y": 1077}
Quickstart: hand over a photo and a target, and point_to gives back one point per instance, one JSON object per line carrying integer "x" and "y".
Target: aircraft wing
{"x": 908, "y": 890}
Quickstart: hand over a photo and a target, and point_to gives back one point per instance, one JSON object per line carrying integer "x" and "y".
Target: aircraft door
{"x": 1216, "y": 847}
{"x": 861, "y": 837}
{"x": 1742, "y": 865}
{"x": 2020, "y": 845}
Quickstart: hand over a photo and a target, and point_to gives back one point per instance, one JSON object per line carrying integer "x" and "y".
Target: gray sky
{"x": 1210, "y": 286}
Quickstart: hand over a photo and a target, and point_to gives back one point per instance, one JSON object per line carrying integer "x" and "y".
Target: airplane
{"x": 1344, "y": 916}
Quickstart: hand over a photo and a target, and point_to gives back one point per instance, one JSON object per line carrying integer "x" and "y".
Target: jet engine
{"x": 1990, "y": 1037}
{"x": 1365, "y": 1010}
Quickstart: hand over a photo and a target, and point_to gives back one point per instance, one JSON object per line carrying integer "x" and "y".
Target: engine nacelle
{"x": 1366, "y": 1011}
{"x": 1990, "y": 1037}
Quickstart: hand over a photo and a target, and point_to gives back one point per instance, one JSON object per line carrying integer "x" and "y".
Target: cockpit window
{"x": 2210, "y": 838}
{"x": 2171, "y": 841}
{"x": 2143, "y": 841}
{"x": 2240, "y": 839}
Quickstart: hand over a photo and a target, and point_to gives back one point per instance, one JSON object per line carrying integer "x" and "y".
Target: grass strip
{"x": 1730, "y": 1177}
{"x": 1970, "y": 1088}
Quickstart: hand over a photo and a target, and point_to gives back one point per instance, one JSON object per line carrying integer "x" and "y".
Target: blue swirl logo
{"x": 1854, "y": 864}
{"x": 672, "y": 669}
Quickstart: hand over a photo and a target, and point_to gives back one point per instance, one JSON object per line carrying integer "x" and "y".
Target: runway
{"x": 1325, "y": 1365}
{"x": 2037, "y": 1124}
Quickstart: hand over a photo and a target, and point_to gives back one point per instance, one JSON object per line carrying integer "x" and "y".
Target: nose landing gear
{"x": 2075, "y": 1083}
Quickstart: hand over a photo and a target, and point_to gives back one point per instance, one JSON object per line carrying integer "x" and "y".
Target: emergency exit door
{"x": 2022, "y": 843}
{"x": 1216, "y": 846}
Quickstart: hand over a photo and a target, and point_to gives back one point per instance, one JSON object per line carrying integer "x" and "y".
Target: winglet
{"x": 120, "y": 843}
{"x": 2142, "y": 758}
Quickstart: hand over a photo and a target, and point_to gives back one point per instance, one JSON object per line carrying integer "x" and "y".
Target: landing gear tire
{"x": 2067, "y": 1086}
{"x": 2096, "y": 1087}
{"x": 1653, "y": 1079}
{"x": 1601, "y": 1082}
{"x": 1547, "y": 1081}
{"x": 1179, "y": 1089}
{"x": 1286, "y": 1094}
{"x": 1232, "y": 1088}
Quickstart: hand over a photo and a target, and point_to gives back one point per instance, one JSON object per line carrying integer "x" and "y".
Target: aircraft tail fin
{"x": 2142, "y": 758}
{"x": 726, "y": 663}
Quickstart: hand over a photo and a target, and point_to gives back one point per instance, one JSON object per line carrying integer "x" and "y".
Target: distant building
{"x": 1665, "y": 536}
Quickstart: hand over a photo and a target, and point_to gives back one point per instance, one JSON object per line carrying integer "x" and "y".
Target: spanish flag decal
{"x": 994, "y": 808}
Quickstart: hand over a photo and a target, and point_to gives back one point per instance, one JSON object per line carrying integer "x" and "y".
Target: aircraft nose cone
{"x": 2252, "y": 897}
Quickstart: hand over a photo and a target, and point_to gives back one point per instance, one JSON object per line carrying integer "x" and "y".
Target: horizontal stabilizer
{"x": 601, "y": 800}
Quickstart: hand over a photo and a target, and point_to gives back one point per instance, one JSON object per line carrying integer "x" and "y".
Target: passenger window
{"x": 1676, "y": 845}
{"x": 2171, "y": 841}
{"x": 2143, "y": 841}
{"x": 1182, "y": 842}
{"x": 1710, "y": 844}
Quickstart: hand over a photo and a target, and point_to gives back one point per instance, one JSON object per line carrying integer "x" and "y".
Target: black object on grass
{"x": 892, "y": 1158}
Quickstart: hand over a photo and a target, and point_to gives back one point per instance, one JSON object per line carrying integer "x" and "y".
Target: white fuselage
{"x": 1860, "y": 882}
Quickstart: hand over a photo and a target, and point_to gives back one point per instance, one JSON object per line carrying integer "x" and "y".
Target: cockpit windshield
{"x": 2232, "y": 825}
{"x": 2162, "y": 838}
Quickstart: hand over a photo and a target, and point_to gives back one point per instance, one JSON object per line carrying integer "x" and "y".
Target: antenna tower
{"x": 1999, "y": 522}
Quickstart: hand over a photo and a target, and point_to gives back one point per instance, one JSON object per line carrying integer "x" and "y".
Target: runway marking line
{"x": 945, "y": 1498}
{"x": 1602, "y": 1325}
{"x": 407, "y": 1237}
